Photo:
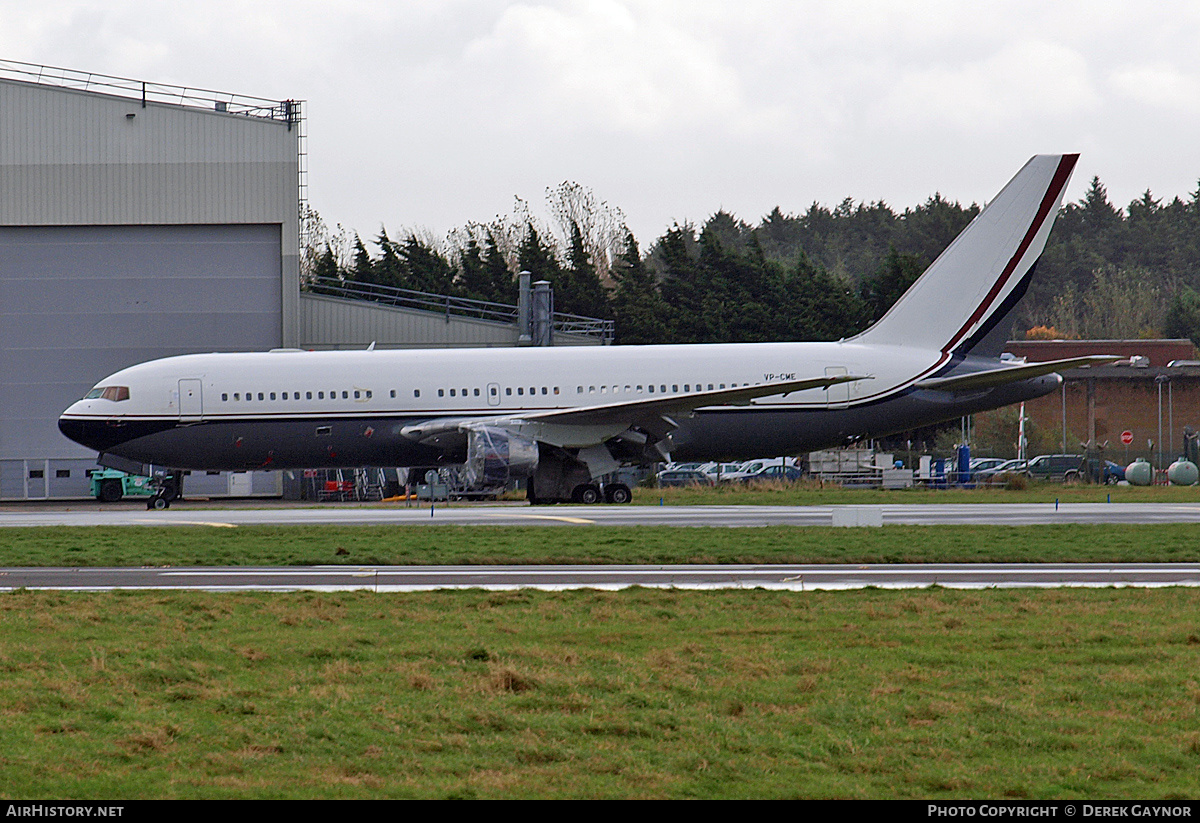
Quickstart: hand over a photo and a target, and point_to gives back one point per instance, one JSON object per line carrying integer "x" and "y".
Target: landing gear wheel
{"x": 617, "y": 493}
{"x": 588, "y": 493}
{"x": 111, "y": 491}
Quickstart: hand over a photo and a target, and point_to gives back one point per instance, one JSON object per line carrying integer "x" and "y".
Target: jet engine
{"x": 495, "y": 456}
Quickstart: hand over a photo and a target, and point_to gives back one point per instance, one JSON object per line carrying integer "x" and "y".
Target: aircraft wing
{"x": 587, "y": 425}
{"x": 682, "y": 403}
{"x": 1009, "y": 374}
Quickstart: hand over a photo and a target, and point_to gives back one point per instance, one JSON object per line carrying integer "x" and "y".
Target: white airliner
{"x": 564, "y": 417}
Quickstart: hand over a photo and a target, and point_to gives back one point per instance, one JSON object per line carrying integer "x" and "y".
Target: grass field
{"x": 926, "y": 694}
{"x": 1071, "y": 693}
{"x": 412, "y": 545}
{"x": 814, "y": 494}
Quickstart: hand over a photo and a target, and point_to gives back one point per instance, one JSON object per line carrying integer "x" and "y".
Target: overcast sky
{"x": 432, "y": 114}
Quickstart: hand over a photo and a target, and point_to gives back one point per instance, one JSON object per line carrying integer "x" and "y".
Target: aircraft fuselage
{"x": 295, "y": 409}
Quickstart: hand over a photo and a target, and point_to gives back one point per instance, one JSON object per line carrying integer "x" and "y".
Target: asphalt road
{"x": 553, "y": 578}
{"x": 88, "y": 513}
{"x": 800, "y": 578}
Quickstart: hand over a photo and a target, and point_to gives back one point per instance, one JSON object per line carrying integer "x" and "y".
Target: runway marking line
{"x": 189, "y": 523}
{"x": 563, "y": 519}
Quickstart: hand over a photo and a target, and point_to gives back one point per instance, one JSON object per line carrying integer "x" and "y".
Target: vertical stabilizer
{"x": 978, "y": 279}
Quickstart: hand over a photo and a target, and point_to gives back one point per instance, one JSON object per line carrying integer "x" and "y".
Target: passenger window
{"x": 224, "y": 397}
{"x": 416, "y": 392}
{"x": 441, "y": 392}
{"x": 452, "y": 394}
{"x": 320, "y": 395}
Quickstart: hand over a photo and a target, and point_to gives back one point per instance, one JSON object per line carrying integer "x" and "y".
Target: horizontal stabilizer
{"x": 1011, "y": 374}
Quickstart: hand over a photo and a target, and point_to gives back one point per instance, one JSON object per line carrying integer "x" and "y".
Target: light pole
{"x": 1160, "y": 379}
{"x": 1064, "y": 416}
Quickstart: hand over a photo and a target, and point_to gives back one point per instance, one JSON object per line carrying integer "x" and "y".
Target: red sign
{"x": 1127, "y": 437}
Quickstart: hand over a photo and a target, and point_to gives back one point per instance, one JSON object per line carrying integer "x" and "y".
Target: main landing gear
{"x": 587, "y": 493}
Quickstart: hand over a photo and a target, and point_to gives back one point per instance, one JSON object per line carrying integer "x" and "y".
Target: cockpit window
{"x": 108, "y": 393}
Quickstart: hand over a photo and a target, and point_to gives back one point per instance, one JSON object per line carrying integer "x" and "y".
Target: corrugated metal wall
{"x": 336, "y": 323}
{"x": 129, "y": 233}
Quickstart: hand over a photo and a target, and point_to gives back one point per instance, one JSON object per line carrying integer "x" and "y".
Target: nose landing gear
{"x": 167, "y": 488}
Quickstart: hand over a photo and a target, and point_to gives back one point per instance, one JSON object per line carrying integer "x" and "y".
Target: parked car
{"x": 786, "y": 474}
{"x": 981, "y": 464}
{"x": 1104, "y": 471}
{"x": 996, "y": 473}
{"x": 755, "y": 466}
{"x": 723, "y": 472}
{"x": 684, "y": 477}
{"x": 1113, "y": 473}
{"x": 682, "y": 467}
{"x": 1059, "y": 467}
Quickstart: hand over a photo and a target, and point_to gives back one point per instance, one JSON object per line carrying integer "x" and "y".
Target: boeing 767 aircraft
{"x": 564, "y": 417}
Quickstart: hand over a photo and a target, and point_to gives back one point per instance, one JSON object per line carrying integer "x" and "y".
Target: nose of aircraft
{"x": 77, "y": 430}
{"x": 100, "y": 435}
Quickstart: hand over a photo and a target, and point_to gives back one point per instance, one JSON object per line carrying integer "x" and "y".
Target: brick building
{"x": 1098, "y": 403}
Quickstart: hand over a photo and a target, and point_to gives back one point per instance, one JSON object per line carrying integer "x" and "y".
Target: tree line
{"x": 824, "y": 274}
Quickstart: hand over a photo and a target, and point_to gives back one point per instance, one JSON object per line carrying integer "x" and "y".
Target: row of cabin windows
{"x": 662, "y": 388}
{"x": 493, "y": 391}
{"x": 360, "y": 394}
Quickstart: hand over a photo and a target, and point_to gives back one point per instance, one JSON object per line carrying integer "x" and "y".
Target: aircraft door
{"x": 493, "y": 394}
{"x": 838, "y": 395}
{"x": 191, "y": 401}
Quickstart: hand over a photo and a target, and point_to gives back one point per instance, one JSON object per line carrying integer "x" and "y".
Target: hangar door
{"x": 80, "y": 302}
